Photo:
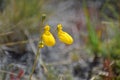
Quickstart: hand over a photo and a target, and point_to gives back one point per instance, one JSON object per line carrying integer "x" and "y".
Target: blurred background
{"x": 93, "y": 24}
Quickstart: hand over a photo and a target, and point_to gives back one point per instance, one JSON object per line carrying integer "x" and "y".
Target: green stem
{"x": 38, "y": 49}
{"x": 35, "y": 62}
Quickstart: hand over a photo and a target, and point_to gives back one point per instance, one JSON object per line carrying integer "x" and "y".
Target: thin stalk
{"x": 35, "y": 63}
{"x": 38, "y": 49}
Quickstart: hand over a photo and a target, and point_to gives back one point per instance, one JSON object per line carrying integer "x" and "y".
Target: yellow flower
{"x": 47, "y": 37}
{"x": 64, "y": 36}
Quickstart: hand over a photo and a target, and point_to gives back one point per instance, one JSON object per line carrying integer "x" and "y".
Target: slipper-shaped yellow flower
{"x": 64, "y": 36}
{"x": 47, "y": 37}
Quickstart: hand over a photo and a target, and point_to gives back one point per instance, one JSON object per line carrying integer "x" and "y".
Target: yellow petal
{"x": 59, "y": 27}
{"x": 47, "y": 37}
{"x": 47, "y": 28}
{"x": 48, "y": 40}
{"x": 65, "y": 38}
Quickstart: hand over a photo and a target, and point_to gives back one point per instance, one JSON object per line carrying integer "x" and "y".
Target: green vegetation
{"x": 19, "y": 16}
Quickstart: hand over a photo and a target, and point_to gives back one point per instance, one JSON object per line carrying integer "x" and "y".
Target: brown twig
{"x": 108, "y": 68}
{"x": 6, "y": 33}
{"x": 3, "y": 71}
{"x": 18, "y": 42}
{"x": 66, "y": 62}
